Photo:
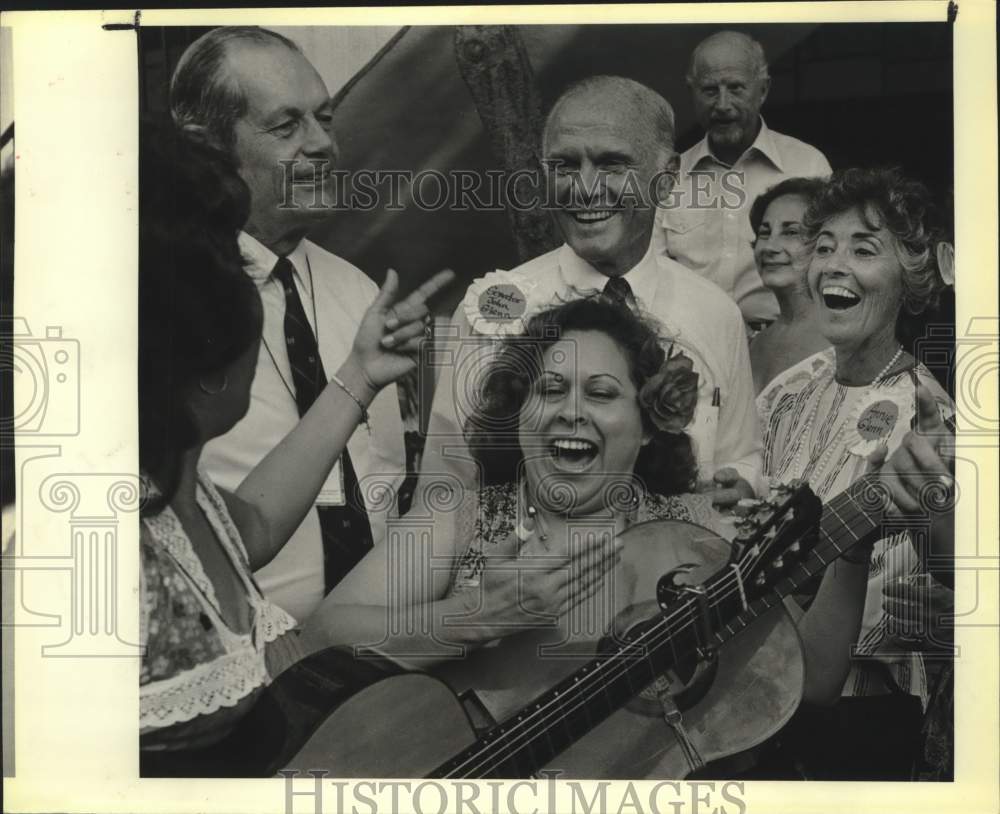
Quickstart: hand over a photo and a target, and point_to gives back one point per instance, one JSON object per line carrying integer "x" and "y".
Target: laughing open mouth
{"x": 573, "y": 451}
{"x": 592, "y": 215}
{"x": 838, "y": 298}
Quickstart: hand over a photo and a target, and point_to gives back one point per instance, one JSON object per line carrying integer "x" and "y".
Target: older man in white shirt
{"x": 707, "y": 226}
{"x": 253, "y": 93}
{"x": 613, "y": 135}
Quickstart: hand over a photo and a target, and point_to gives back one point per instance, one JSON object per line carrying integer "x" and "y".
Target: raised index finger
{"x": 431, "y": 287}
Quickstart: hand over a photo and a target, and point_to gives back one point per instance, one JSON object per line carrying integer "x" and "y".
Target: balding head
{"x": 729, "y": 83}
{"x": 731, "y": 45}
{"x": 649, "y": 114}
{"x": 203, "y": 94}
{"x": 254, "y": 93}
{"x": 609, "y": 148}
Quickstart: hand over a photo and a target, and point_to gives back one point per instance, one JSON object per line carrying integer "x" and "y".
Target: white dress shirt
{"x": 335, "y": 295}
{"x": 693, "y": 312}
{"x": 708, "y": 230}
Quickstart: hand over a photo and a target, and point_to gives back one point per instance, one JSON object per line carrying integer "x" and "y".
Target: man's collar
{"x": 260, "y": 259}
{"x": 763, "y": 144}
{"x": 643, "y": 278}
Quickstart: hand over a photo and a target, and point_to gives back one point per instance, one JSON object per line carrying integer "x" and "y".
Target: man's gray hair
{"x": 754, "y": 51}
{"x": 652, "y": 110}
{"x": 201, "y": 92}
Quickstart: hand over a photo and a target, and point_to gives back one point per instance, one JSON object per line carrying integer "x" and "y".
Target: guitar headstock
{"x": 775, "y": 534}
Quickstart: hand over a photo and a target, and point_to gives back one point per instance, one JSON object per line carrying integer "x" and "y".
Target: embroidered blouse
{"x": 821, "y": 431}
{"x": 198, "y": 676}
{"x": 497, "y": 513}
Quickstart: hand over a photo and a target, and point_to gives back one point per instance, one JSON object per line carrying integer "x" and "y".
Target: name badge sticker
{"x": 878, "y": 420}
{"x": 875, "y": 426}
{"x": 332, "y": 493}
{"x": 502, "y": 302}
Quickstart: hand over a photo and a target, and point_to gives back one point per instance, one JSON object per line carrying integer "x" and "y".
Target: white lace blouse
{"x": 194, "y": 664}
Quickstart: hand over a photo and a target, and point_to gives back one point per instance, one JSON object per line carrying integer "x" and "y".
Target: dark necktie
{"x": 346, "y": 532}
{"x": 618, "y": 289}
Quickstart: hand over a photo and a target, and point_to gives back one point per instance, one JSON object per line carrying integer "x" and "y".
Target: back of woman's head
{"x": 666, "y": 465}
{"x": 198, "y": 310}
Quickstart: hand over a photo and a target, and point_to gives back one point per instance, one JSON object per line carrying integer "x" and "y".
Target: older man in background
{"x": 608, "y": 144}
{"x": 252, "y": 93}
{"x": 706, "y": 226}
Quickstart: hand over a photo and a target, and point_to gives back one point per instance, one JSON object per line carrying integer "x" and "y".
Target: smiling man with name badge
{"x": 608, "y": 141}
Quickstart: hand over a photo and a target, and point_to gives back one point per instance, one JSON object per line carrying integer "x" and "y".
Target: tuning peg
{"x": 778, "y": 563}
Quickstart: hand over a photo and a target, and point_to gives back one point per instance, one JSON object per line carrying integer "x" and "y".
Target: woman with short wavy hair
{"x": 875, "y": 266}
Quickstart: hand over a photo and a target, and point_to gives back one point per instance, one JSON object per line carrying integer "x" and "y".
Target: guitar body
{"x": 402, "y": 726}
{"x": 744, "y": 691}
{"x": 746, "y": 697}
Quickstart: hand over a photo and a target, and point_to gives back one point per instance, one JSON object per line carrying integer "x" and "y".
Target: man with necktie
{"x": 253, "y": 93}
{"x": 608, "y": 154}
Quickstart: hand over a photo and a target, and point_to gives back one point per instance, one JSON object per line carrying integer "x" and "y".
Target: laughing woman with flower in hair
{"x": 580, "y": 420}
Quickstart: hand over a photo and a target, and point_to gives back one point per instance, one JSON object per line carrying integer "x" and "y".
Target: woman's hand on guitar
{"x": 921, "y": 611}
{"x": 726, "y": 488}
{"x": 525, "y": 585}
{"x": 390, "y": 333}
{"x": 920, "y": 478}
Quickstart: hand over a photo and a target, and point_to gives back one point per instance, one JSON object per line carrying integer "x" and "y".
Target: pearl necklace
{"x": 882, "y": 373}
{"x": 814, "y": 465}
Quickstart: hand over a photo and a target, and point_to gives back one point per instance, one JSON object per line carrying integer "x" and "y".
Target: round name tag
{"x": 502, "y": 302}
{"x": 878, "y": 420}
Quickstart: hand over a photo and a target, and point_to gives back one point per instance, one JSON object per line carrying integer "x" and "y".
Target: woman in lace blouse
{"x": 580, "y": 425}
{"x": 204, "y": 622}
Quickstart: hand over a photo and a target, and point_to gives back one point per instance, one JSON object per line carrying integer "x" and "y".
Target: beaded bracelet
{"x": 364, "y": 411}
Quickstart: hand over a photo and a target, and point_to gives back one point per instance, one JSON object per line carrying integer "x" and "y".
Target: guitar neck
{"x": 854, "y": 517}
{"x": 522, "y": 744}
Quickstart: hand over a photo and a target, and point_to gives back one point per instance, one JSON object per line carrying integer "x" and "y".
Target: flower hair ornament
{"x": 670, "y": 395}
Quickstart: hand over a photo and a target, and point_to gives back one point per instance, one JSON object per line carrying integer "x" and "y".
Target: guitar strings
{"x": 524, "y": 729}
{"x": 522, "y": 732}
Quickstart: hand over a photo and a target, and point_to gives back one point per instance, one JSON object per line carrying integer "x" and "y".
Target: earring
{"x": 210, "y": 392}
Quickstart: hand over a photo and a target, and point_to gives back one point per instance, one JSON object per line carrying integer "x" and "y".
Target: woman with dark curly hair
{"x": 875, "y": 267}
{"x": 582, "y": 419}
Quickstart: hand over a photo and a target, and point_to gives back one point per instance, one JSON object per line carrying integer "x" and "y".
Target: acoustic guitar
{"x": 689, "y": 657}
